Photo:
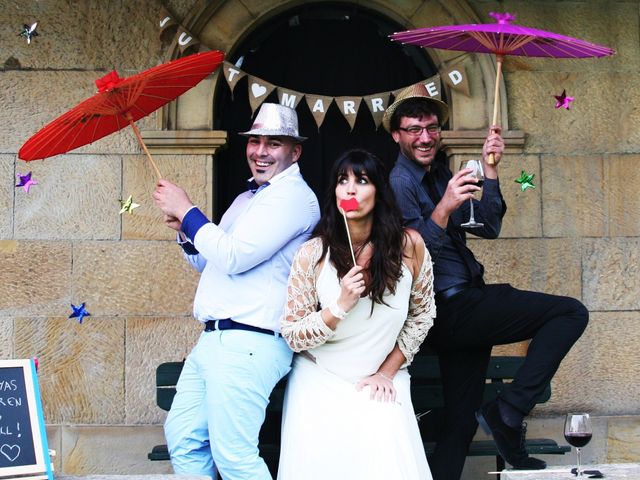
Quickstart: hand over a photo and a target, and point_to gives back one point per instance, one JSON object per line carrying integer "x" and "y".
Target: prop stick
{"x": 496, "y": 100}
{"x": 348, "y": 206}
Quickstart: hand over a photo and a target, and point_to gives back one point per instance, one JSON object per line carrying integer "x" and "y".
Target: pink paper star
{"x": 563, "y": 101}
{"x": 25, "y": 181}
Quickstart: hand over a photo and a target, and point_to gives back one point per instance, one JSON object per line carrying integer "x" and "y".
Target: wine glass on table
{"x": 478, "y": 174}
{"x": 577, "y": 433}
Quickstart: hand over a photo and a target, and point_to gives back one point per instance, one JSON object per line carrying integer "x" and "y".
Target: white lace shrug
{"x": 302, "y": 325}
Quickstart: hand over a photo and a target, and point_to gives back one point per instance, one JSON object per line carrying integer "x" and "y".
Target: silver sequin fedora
{"x": 275, "y": 120}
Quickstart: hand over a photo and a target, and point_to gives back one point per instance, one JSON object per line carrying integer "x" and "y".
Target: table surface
{"x": 611, "y": 471}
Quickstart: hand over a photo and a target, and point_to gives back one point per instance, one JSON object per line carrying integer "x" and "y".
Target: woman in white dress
{"x": 348, "y": 411}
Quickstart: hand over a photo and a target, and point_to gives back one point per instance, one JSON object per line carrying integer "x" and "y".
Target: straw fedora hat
{"x": 275, "y": 120}
{"x": 415, "y": 91}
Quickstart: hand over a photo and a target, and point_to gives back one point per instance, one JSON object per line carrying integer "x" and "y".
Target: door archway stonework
{"x": 186, "y": 124}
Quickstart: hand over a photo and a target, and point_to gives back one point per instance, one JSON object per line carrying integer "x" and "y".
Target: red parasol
{"x": 118, "y": 103}
{"x": 502, "y": 39}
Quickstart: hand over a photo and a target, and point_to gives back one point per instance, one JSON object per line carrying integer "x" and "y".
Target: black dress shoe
{"x": 509, "y": 440}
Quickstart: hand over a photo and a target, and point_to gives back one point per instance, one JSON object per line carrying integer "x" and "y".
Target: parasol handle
{"x": 144, "y": 147}
{"x": 496, "y": 100}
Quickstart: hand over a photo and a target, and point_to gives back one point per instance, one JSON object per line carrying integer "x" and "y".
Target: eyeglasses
{"x": 416, "y": 130}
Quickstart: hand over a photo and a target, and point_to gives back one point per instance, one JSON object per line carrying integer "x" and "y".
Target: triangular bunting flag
{"x": 232, "y": 75}
{"x": 349, "y": 107}
{"x": 456, "y": 78}
{"x": 165, "y": 21}
{"x": 432, "y": 84}
{"x": 185, "y": 39}
{"x": 259, "y": 90}
{"x": 318, "y": 105}
{"x": 289, "y": 98}
{"x": 377, "y": 104}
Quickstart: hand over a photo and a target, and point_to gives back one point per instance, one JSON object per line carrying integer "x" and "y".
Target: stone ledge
{"x": 457, "y": 142}
{"x": 184, "y": 141}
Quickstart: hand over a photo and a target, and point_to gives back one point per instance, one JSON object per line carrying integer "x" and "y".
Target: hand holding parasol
{"x": 501, "y": 38}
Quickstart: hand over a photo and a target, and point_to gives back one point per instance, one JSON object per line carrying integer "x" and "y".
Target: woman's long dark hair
{"x": 387, "y": 235}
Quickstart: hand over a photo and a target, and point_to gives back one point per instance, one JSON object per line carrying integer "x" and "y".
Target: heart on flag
{"x": 258, "y": 90}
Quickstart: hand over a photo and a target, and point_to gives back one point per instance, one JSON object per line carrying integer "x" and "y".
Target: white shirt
{"x": 245, "y": 261}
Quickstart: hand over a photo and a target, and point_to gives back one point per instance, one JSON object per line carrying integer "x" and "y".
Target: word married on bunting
{"x": 259, "y": 89}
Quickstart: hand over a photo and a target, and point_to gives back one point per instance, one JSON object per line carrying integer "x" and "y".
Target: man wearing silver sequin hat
{"x": 224, "y": 387}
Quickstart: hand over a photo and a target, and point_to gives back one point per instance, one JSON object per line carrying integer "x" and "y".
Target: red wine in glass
{"x": 577, "y": 439}
{"x": 578, "y": 432}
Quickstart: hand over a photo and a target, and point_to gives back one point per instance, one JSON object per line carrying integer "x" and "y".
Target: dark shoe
{"x": 509, "y": 440}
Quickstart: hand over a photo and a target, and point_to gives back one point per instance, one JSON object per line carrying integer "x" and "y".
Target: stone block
{"x": 401, "y": 10}
{"x": 150, "y": 342}
{"x": 133, "y": 278}
{"x": 76, "y": 198}
{"x": 621, "y": 195}
{"x": 139, "y": 180}
{"x": 32, "y": 99}
{"x": 6, "y": 338}
{"x": 611, "y": 274}
{"x": 111, "y": 450}
{"x": 513, "y": 349}
{"x": 179, "y": 8}
{"x": 54, "y": 439}
{"x": 81, "y": 366}
{"x": 104, "y": 37}
{"x": 7, "y": 192}
{"x": 623, "y": 441}
{"x": 231, "y": 20}
{"x": 599, "y": 374}
{"x": 35, "y": 278}
{"x": 575, "y": 131}
{"x": 194, "y": 110}
{"x": 524, "y": 209}
{"x": 574, "y": 201}
{"x": 543, "y": 265}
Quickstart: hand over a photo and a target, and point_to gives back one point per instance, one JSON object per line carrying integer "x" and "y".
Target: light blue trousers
{"x": 220, "y": 404}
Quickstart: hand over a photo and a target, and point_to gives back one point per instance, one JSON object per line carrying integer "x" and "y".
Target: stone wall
{"x": 576, "y": 234}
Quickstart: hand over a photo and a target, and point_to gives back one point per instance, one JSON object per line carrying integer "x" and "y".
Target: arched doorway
{"x": 332, "y": 49}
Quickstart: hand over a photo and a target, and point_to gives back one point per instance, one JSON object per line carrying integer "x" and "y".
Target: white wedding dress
{"x": 330, "y": 431}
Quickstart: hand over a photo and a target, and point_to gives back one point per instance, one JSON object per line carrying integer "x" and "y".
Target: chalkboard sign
{"x": 23, "y": 440}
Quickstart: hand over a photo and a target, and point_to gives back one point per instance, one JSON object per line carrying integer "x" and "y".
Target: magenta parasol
{"x": 501, "y": 39}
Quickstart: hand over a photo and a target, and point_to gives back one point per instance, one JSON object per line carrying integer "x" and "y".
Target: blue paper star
{"x": 79, "y": 312}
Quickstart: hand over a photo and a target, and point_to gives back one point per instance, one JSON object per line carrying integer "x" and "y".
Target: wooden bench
{"x": 426, "y": 396}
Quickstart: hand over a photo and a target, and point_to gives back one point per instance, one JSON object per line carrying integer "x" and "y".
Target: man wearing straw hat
{"x": 245, "y": 260}
{"x": 472, "y": 316}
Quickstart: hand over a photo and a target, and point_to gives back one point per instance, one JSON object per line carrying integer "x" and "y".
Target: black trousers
{"x": 467, "y": 326}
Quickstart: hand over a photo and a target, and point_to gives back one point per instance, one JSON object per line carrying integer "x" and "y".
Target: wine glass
{"x": 478, "y": 174}
{"x": 577, "y": 432}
